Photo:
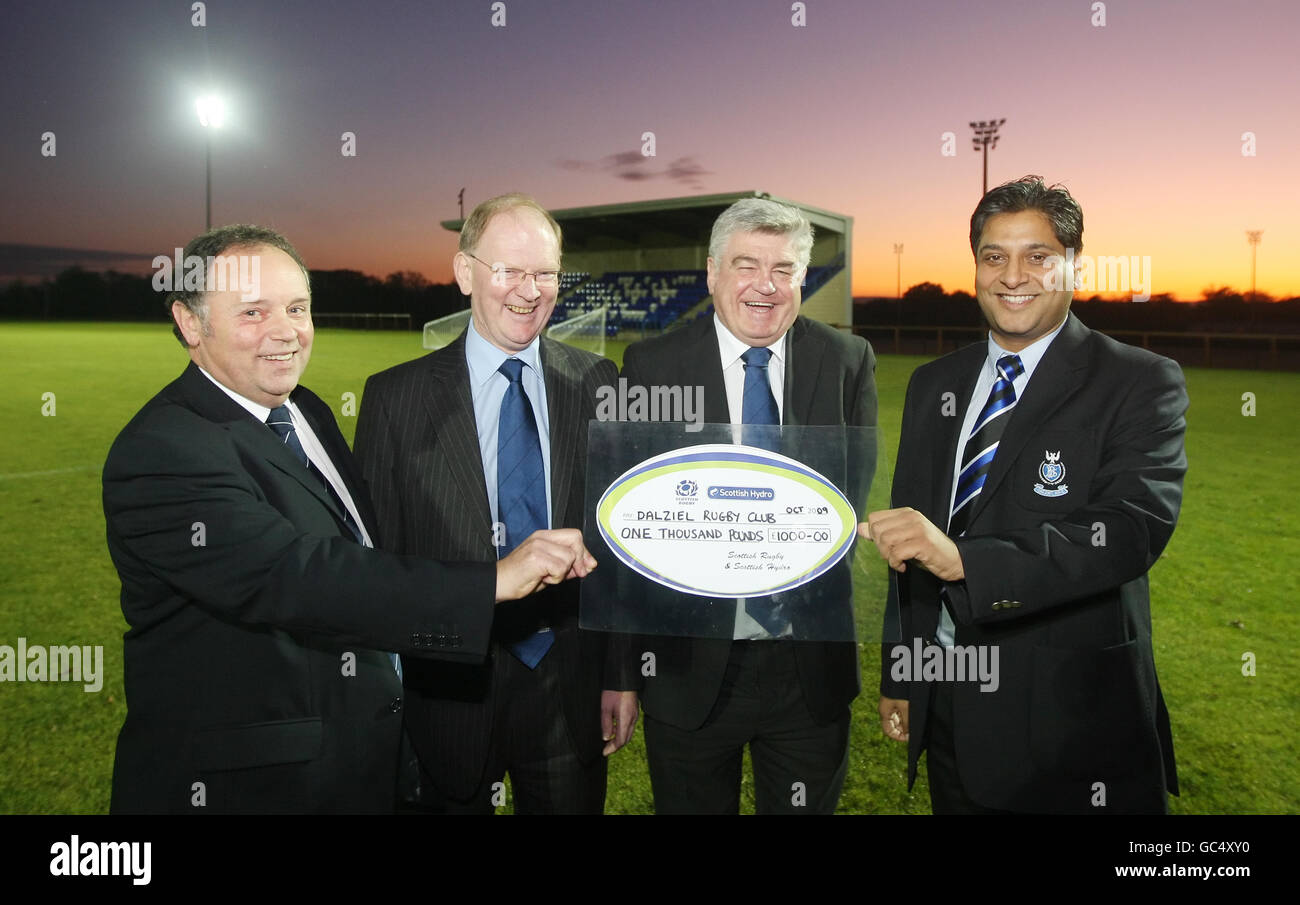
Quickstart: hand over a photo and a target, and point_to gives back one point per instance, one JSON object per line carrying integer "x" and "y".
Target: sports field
{"x": 1225, "y": 588}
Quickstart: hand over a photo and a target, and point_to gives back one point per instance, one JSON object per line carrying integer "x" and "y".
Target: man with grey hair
{"x": 788, "y": 700}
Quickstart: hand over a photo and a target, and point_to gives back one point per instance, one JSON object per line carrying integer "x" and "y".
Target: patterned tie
{"x": 281, "y": 421}
{"x": 521, "y": 487}
{"x": 758, "y": 406}
{"x": 977, "y": 460}
{"x": 977, "y": 457}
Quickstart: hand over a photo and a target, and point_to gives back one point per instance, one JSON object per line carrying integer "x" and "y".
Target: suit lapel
{"x": 803, "y": 356}
{"x": 315, "y": 411}
{"x": 451, "y": 411}
{"x": 702, "y": 366}
{"x": 1058, "y": 376}
{"x": 564, "y": 407}
{"x": 209, "y": 401}
{"x": 966, "y": 372}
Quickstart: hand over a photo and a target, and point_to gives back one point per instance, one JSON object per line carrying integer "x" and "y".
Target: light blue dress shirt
{"x": 487, "y": 388}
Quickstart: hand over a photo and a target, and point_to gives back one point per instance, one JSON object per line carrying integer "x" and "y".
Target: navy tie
{"x": 976, "y": 462}
{"x": 521, "y": 487}
{"x": 758, "y": 406}
{"x": 281, "y": 421}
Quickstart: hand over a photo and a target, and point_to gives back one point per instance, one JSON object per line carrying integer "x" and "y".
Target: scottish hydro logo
{"x": 742, "y": 494}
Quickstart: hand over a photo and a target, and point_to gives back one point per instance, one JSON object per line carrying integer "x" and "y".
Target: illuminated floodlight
{"x": 212, "y": 111}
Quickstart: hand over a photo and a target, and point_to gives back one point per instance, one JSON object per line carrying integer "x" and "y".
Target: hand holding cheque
{"x": 905, "y": 534}
{"x": 545, "y": 557}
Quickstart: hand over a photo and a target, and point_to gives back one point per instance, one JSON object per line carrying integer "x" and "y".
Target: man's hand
{"x": 618, "y": 711}
{"x": 905, "y": 534}
{"x": 893, "y": 718}
{"x": 545, "y": 557}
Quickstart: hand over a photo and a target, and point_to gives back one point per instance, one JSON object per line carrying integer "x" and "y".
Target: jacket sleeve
{"x": 1114, "y": 538}
{"x": 188, "y": 523}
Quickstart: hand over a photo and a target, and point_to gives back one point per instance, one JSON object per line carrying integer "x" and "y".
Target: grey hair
{"x": 762, "y": 215}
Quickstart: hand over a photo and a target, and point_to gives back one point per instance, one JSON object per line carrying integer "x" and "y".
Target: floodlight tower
{"x": 986, "y": 134}
{"x": 898, "y": 250}
{"x": 1252, "y": 236}
{"x": 212, "y": 115}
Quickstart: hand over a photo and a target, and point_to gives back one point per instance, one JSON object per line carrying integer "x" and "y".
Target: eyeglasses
{"x": 513, "y": 276}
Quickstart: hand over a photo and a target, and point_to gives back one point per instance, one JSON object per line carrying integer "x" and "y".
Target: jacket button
{"x": 415, "y": 639}
{"x": 455, "y": 640}
{"x": 395, "y": 705}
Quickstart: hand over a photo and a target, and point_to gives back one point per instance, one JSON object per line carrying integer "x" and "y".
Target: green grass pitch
{"x": 1225, "y": 587}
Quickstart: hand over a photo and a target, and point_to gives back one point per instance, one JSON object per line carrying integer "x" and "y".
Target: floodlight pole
{"x": 212, "y": 115}
{"x": 1252, "y": 236}
{"x": 207, "y": 135}
{"x": 898, "y": 250}
{"x": 986, "y": 134}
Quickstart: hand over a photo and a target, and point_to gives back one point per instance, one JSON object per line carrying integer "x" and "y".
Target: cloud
{"x": 633, "y": 166}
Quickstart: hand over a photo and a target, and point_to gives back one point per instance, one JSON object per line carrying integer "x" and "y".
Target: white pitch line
{"x": 18, "y": 475}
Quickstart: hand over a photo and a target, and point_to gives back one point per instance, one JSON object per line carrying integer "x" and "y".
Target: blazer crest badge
{"x": 1053, "y": 473}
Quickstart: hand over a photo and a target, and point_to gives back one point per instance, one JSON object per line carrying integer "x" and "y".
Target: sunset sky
{"x": 1142, "y": 119}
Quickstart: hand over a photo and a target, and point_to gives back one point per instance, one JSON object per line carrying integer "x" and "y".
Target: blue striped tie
{"x": 758, "y": 406}
{"x": 521, "y": 487}
{"x": 977, "y": 459}
{"x": 281, "y": 421}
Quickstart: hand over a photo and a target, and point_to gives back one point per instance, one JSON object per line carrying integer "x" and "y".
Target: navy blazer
{"x": 256, "y": 672}
{"x": 1056, "y": 580}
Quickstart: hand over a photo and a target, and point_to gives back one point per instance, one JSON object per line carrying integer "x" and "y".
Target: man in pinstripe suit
{"x": 434, "y": 439}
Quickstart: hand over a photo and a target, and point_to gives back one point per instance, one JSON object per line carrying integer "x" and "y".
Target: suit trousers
{"x": 799, "y": 766}
{"x": 530, "y": 741}
{"x": 947, "y": 795}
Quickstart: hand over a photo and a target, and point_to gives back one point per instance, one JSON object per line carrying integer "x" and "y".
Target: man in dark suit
{"x": 1053, "y": 457}
{"x": 439, "y": 443}
{"x": 788, "y": 700}
{"x": 260, "y": 668}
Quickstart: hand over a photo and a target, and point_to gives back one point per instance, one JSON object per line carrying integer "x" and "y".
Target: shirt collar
{"x": 732, "y": 348}
{"x": 1030, "y": 355}
{"x": 260, "y": 412}
{"x": 484, "y": 359}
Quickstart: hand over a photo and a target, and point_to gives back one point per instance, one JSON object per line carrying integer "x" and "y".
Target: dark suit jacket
{"x": 1059, "y": 584}
{"x": 829, "y": 379}
{"x": 245, "y": 600}
{"x": 417, "y": 442}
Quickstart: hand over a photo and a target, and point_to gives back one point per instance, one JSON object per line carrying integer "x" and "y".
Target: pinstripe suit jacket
{"x": 417, "y": 442}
